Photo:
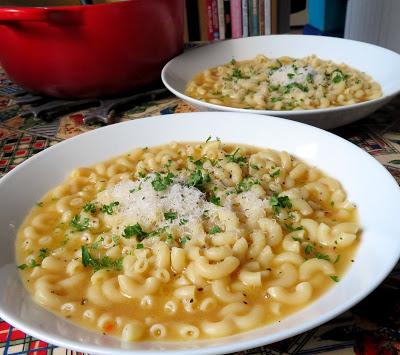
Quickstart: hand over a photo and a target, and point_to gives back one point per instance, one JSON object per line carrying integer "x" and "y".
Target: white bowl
{"x": 368, "y": 184}
{"x": 382, "y": 64}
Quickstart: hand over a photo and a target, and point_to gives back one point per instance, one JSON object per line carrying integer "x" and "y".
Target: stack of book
{"x": 209, "y": 20}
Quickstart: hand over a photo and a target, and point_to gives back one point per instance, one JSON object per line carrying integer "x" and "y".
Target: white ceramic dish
{"x": 382, "y": 64}
{"x": 368, "y": 184}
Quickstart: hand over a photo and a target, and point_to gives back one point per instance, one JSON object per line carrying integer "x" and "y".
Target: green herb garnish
{"x": 215, "y": 230}
{"x": 135, "y": 231}
{"x": 275, "y": 173}
{"x": 337, "y": 259}
{"x": 22, "y": 266}
{"x": 160, "y": 183}
{"x": 184, "y": 239}
{"x": 104, "y": 262}
{"x": 215, "y": 200}
{"x": 334, "y": 278}
{"x": 108, "y": 209}
{"x": 198, "y": 179}
{"x": 246, "y": 184}
{"x": 139, "y": 246}
{"x": 89, "y": 207}
{"x": 308, "y": 249}
{"x": 236, "y": 159}
{"x": 170, "y": 216}
{"x": 279, "y": 202}
{"x": 322, "y": 256}
{"x": 80, "y": 224}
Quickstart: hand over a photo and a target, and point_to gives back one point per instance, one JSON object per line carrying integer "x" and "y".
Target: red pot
{"x": 89, "y": 51}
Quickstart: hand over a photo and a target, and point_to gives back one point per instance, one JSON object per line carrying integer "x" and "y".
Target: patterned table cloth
{"x": 371, "y": 327}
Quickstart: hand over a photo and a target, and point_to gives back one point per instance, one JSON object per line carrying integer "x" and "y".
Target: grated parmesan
{"x": 287, "y": 75}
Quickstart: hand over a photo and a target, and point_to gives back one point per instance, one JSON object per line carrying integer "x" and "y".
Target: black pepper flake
{"x": 191, "y": 300}
{"x": 200, "y": 289}
{"x": 352, "y": 260}
{"x": 245, "y": 302}
{"x": 84, "y": 301}
{"x": 269, "y": 269}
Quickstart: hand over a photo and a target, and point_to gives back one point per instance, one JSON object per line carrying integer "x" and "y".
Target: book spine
{"x": 209, "y": 20}
{"x": 221, "y": 18}
{"x": 228, "y": 23}
{"x": 254, "y": 18}
{"x": 214, "y": 6}
{"x": 245, "y": 19}
{"x": 267, "y": 16}
{"x": 185, "y": 24}
{"x": 236, "y": 18}
{"x": 203, "y": 19}
{"x": 192, "y": 12}
{"x": 274, "y": 16}
{"x": 261, "y": 16}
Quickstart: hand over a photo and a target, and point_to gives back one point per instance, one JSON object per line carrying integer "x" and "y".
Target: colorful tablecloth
{"x": 371, "y": 327}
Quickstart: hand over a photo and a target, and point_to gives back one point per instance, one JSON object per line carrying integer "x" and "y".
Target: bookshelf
{"x": 210, "y": 20}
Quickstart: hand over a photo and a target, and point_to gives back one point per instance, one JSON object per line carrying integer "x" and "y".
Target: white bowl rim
{"x": 220, "y": 349}
{"x": 286, "y": 113}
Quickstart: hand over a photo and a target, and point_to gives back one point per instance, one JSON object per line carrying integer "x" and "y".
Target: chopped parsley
{"x": 208, "y": 139}
{"x": 297, "y": 239}
{"x": 108, "y": 209}
{"x": 246, "y": 184}
{"x": 139, "y": 246}
{"x": 290, "y": 75}
{"x": 89, "y": 207}
{"x": 290, "y": 228}
{"x": 215, "y": 200}
{"x": 279, "y": 202}
{"x": 236, "y": 159}
{"x": 183, "y": 221}
{"x": 104, "y": 262}
{"x": 275, "y": 173}
{"x": 39, "y": 204}
{"x": 337, "y": 259}
{"x": 334, "y": 278}
{"x": 310, "y": 78}
{"x": 22, "y": 266}
{"x": 254, "y": 166}
{"x": 233, "y": 61}
{"x": 215, "y": 230}
{"x": 286, "y": 89}
{"x": 160, "y": 183}
{"x": 96, "y": 244}
{"x": 308, "y": 249}
{"x": 43, "y": 252}
{"x": 184, "y": 239}
{"x": 322, "y": 256}
{"x": 332, "y": 203}
{"x": 142, "y": 174}
{"x": 198, "y": 179}
{"x": 79, "y": 223}
{"x": 170, "y": 216}
{"x": 135, "y": 231}
{"x": 115, "y": 239}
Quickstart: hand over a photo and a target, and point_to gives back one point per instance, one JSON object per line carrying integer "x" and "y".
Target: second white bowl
{"x": 382, "y": 64}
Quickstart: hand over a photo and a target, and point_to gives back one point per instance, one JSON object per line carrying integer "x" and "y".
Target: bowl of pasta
{"x": 323, "y": 81}
{"x": 211, "y": 235}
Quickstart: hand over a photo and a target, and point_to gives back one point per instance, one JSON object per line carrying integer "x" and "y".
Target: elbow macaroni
{"x": 260, "y": 235}
{"x": 283, "y": 84}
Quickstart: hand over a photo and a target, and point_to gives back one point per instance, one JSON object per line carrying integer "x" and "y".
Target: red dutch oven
{"x": 89, "y": 51}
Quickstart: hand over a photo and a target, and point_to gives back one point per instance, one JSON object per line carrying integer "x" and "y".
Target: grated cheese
{"x": 286, "y": 75}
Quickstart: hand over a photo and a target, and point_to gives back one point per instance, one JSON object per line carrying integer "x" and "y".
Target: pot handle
{"x": 22, "y": 14}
